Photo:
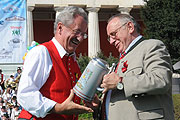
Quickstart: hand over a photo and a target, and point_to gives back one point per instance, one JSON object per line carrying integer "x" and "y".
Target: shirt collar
{"x": 60, "y": 49}
{"x": 133, "y": 42}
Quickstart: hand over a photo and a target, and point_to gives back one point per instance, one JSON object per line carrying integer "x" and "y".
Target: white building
{"x": 41, "y": 15}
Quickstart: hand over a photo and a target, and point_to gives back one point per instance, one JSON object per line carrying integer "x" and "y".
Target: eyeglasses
{"x": 113, "y": 34}
{"x": 78, "y": 33}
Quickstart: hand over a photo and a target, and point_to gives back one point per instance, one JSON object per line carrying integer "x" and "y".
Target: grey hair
{"x": 126, "y": 18}
{"x": 68, "y": 15}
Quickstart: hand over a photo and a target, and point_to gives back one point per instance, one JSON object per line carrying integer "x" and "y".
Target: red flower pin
{"x": 125, "y": 65}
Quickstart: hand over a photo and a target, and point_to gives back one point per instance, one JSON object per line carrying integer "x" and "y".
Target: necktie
{"x": 121, "y": 57}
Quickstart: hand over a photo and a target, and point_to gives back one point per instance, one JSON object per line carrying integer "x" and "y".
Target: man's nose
{"x": 112, "y": 41}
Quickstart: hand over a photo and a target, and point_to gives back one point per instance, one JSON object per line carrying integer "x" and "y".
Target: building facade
{"x": 41, "y": 15}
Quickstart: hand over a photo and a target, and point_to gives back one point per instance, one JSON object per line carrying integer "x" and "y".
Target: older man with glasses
{"x": 140, "y": 87}
{"x": 50, "y": 71}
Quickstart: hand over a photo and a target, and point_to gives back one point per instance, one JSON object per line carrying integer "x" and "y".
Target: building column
{"x": 30, "y": 32}
{"x": 124, "y": 10}
{"x": 93, "y": 32}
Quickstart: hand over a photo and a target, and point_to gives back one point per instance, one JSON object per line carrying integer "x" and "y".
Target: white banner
{"x": 13, "y": 42}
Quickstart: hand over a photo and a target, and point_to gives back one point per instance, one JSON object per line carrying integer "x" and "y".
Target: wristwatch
{"x": 120, "y": 86}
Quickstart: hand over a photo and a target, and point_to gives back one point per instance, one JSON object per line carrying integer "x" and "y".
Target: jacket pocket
{"x": 134, "y": 71}
{"x": 151, "y": 114}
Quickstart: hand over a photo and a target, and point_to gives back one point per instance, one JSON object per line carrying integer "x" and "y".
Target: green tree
{"x": 84, "y": 60}
{"x": 162, "y": 21}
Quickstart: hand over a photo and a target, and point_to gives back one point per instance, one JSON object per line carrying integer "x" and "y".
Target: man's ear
{"x": 59, "y": 27}
{"x": 130, "y": 26}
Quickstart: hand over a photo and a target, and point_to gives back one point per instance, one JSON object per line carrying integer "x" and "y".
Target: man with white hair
{"x": 50, "y": 71}
{"x": 141, "y": 86}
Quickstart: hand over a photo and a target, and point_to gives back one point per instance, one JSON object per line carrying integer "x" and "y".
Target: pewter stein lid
{"x": 100, "y": 62}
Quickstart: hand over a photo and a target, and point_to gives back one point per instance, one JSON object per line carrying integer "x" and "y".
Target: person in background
{"x": 14, "y": 100}
{"x": 2, "y": 79}
{"x": 9, "y": 81}
{"x": 15, "y": 112}
{"x": 1, "y": 102}
{"x": 1, "y": 90}
{"x": 7, "y": 94}
{"x": 140, "y": 87}
{"x": 17, "y": 77}
{"x": 50, "y": 71}
{"x": 18, "y": 73}
{"x": 4, "y": 112}
{"x": 5, "y": 117}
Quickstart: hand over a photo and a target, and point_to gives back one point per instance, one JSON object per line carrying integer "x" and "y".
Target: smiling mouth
{"x": 116, "y": 45}
{"x": 75, "y": 41}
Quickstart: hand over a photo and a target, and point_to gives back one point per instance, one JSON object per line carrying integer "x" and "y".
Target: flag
{"x": 13, "y": 35}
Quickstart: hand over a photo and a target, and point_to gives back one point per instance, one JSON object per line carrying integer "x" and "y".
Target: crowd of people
{"x": 9, "y": 107}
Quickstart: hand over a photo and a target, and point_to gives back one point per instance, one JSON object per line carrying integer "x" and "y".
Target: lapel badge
{"x": 124, "y": 68}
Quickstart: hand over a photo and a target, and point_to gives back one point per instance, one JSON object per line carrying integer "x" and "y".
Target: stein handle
{"x": 111, "y": 69}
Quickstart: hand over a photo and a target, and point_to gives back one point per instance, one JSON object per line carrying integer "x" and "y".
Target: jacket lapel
{"x": 139, "y": 41}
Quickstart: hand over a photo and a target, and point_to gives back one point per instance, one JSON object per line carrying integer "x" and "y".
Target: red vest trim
{"x": 58, "y": 84}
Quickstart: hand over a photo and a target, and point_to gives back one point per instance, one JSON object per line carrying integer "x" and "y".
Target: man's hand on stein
{"x": 68, "y": 107}
{"x": 110, "y": 81}
{"x": 94, "y": 103}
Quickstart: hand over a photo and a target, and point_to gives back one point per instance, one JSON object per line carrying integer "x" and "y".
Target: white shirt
{"x": 110, "y": 91}
{"x": 11, "y": 80}
{"x": 36, "y": 69}
{"x": 14, "y": 114}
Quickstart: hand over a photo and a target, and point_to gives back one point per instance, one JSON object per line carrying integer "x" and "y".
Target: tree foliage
{"x": 84, "y": 60}
{"x": 162, "y": 21}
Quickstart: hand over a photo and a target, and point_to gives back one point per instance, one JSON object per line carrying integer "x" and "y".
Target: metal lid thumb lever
{"x": 111, "y": 69}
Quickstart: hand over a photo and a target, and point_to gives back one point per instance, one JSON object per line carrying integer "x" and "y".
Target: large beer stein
{"x": 91, "y": 78}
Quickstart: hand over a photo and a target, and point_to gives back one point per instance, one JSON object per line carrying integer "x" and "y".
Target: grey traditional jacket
{"x": 147, "y": 84}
